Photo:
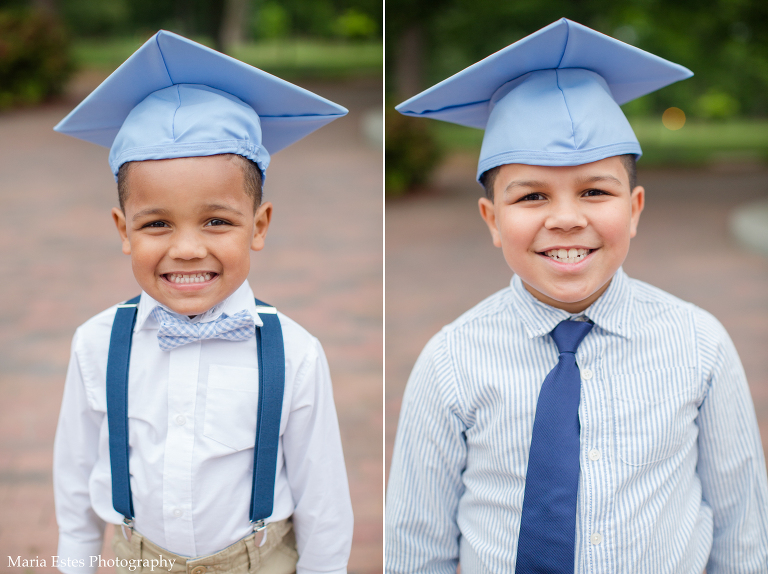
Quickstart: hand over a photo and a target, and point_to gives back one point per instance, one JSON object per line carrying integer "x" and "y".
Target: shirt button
{"x": 586, "y": 374}
{"x": 177, "y": 512}
{"x": 181, "y": 420}
{"x": 199, "y": 570}
{"x": 596, "y": 538}
{"x": 594, "y": 454}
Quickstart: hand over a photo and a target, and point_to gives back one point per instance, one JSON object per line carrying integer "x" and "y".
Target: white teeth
{"x": 567, "y": 255}
{"x": 193, "y": 278}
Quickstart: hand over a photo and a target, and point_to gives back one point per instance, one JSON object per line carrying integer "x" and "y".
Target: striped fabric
{"x": 176, "y": 330}
{"x": 673, "y": 475}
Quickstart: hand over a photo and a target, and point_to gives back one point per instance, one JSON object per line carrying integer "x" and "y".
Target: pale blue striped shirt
{"x": 673, "y": 475}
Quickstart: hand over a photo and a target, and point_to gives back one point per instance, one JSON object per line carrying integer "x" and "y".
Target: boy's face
{"x": 189, "y": 227}
{"x": 564, "y": 230}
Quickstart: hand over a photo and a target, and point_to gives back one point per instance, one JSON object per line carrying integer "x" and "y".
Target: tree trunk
{"x": 408, "y": 67}
{"x": 232, "y": 31}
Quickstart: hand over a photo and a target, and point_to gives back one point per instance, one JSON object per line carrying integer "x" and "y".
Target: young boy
{"x": 200, "y": 418}
{"x": 579, "y": 420}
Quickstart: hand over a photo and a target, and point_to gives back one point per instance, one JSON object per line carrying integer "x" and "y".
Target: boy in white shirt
{"x": 202, "y": 416}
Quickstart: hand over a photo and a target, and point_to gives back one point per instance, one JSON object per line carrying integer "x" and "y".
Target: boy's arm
{"x": 75, "y": 451}
{"x": 425, "y": 484}
{"x": 314, "y": 463}
{"x": 732, "y": 466}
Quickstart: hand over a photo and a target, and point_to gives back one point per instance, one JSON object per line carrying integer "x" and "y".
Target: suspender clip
{"x": 129, "y": 523}
{"x": 259, "y": 525}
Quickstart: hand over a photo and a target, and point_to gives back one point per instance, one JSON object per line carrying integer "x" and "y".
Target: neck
{"x": 574, "y": 307}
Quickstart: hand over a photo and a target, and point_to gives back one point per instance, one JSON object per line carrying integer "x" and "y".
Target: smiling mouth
{"x": 184, "y": 278}
{"x": 567, "y": 255}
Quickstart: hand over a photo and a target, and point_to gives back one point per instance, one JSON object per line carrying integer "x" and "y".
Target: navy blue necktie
{"x": 546, "y": 544}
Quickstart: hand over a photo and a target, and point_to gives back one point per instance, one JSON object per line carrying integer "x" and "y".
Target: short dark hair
{"x": 629, "y": 161}
{"x": 252, "y": 179}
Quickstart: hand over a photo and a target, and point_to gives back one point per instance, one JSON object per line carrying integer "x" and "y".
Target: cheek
{"x": 518, "y": 231}
{"x": 614, "y": 225}
{"x": 145, "y": 253}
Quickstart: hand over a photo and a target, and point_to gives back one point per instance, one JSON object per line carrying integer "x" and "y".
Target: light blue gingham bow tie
{"x": 175, "y": 332}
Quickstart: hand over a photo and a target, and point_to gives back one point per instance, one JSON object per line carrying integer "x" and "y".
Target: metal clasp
{"x": 129, "y": 523}
{"x": 258, "y": 526}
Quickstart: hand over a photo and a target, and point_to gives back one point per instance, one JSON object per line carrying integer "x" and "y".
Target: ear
{"x": 637, "y": 203}
{"x": 261, "y": 220}
{"x": 119, "y": 218}
{"x": 488, "y": 213}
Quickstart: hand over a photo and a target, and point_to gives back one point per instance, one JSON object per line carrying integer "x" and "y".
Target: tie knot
{"x": 569, "y": 334}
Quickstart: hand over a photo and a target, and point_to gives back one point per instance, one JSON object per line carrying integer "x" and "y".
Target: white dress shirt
{"x": 672, "y": 473}
{"x": 192, "y": 428}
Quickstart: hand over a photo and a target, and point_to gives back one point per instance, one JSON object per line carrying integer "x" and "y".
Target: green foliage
{"x": 724, "y": 42}
{"x": 355, "y": 25}
{"x": 323, "y": 59}
{"x": 34, "y": 57}
{"x": 287, "y": 58}
{"x": 717, "y": 105}
{"x": 94, "y": 17}
{"x": 410, "y": 152}
{"x": 266, "y": 19}
{"x": 272, "y": 22}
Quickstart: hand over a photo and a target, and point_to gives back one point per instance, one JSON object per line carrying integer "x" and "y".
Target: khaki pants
{"x": 277, "y": 556}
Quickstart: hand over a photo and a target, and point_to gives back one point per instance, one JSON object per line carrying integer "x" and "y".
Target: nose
{"x": 186, "y": 245}
{"x": 565, "y": 215}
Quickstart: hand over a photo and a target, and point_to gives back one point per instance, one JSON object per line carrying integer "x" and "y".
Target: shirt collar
{"x": 241, "y": 299}
{"x": 611, "y": 312}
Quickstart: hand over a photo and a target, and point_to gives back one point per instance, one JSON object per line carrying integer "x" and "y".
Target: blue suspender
{"x": 271, "y": 356}
{"x": 117, "y": 405}
{"x": 269, "y": 346}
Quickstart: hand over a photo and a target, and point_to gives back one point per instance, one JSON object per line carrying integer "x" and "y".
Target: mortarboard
{"x": 177, "y": 98}
{"x": 551, "y": 98}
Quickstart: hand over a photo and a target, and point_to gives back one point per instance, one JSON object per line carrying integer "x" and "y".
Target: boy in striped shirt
{"x": 579, "y": 420}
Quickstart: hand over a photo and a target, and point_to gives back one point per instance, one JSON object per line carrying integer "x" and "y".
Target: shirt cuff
{"x": 76, "y": 557}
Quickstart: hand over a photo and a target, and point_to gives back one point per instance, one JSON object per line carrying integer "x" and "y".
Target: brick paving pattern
{"x": 440, "y": 262}
{"x": 61, "y": 258}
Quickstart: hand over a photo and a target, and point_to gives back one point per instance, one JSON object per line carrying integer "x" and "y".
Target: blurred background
{"x": 704, "y": 233}
{"x": 322, "y": 265}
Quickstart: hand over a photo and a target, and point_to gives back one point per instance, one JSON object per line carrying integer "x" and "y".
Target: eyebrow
{"x": 164, "y": 212}
{"x": 220, "y": 207}
{"x": 148, "y": 212}
{"x": 536, "y": 184}
{"x": 596, "y": 178}
{"x": 524, "y": 183}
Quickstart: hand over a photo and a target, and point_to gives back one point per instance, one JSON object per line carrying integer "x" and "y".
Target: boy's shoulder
{"x": 656, "y": 304}
{"x": 489, "y": 309}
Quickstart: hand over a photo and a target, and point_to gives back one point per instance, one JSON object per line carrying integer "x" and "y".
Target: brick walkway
{"x": 440, "y": 262}
{"x": 61, "y": 258}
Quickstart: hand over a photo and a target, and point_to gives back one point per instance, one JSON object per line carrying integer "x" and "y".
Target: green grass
{"x": 697, "y": 143}
{"x": 291, "y": 58}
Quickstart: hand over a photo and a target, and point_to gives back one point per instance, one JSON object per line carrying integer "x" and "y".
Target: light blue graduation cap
{"x": 177, "y": 98}
{"x": 551, "y": 98}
